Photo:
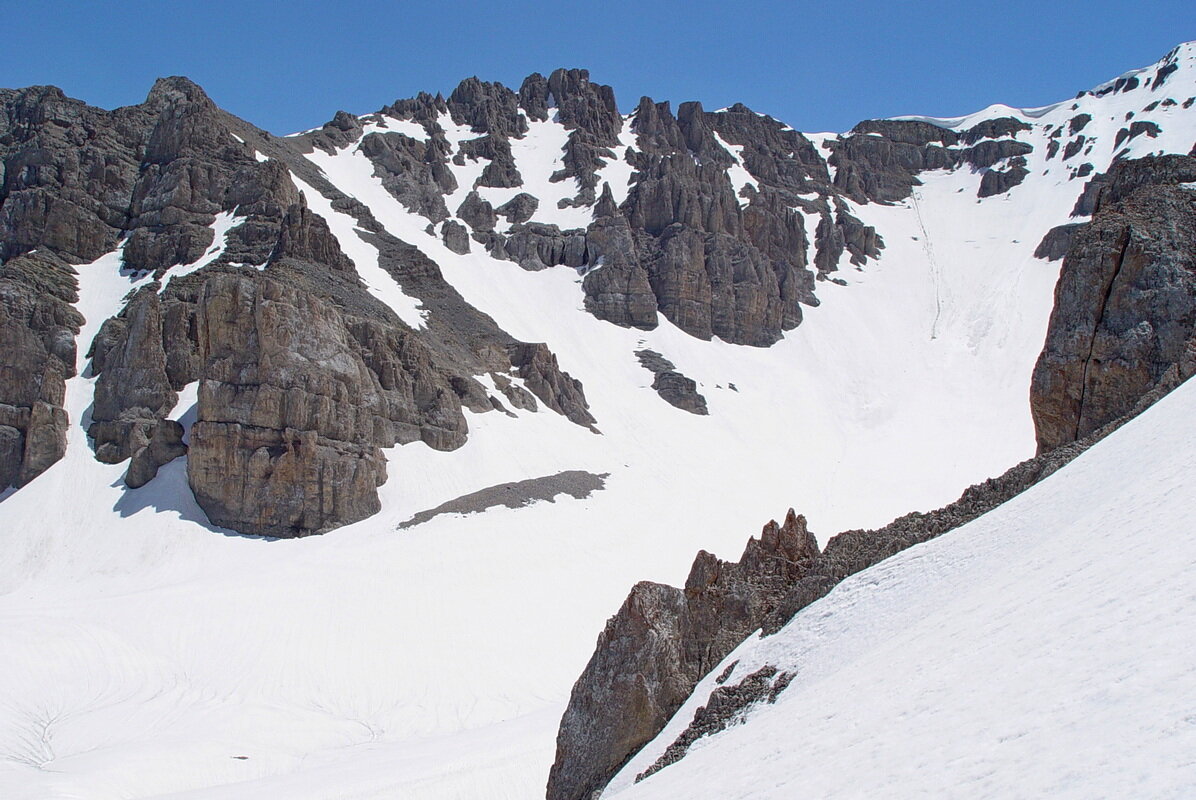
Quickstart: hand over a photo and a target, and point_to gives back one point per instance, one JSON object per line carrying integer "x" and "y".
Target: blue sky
{"x": 816, "y": 65}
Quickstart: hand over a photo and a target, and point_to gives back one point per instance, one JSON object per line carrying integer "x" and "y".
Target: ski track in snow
{"x": 145, "y": 653}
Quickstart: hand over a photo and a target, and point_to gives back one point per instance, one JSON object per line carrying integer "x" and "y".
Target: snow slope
{"x": 144, "y": 653}
{"x": 1043, "y": 650}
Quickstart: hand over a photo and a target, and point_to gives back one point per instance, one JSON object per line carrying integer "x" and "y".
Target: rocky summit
{"x": 326, "y": 458}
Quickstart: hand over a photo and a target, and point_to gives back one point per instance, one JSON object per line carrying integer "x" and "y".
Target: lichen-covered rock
{"x": 1125, "y": 305}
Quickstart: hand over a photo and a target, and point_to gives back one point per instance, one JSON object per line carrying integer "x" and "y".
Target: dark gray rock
{"x": 727, "y": 706}
{"x": 518, "y": 209}
{"x": 455, "y": 235}
{"x": 500, "y": 171}
{"x": 477, "y": 213}
{"x": 487, "y": 108}
{"x": 676, "y": 389}
{"x": 1125, "y": 306}
{"x": 1000, "y": 181}
{"x": 415, "y": 172}
{"x": 1057, "y": 242}
{"x": 536, "y": 246}
{"x": 543, "y": 376}
{"x": 38, "y": 325}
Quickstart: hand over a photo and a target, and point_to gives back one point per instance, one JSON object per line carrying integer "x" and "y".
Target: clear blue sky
{"x": 820, "y": 65}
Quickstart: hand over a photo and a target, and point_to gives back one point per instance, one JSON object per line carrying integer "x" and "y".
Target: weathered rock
{"x": 487, "y": 108}
{"x": 676, "y": 389}
{"x": 165, "y": 445}
{"x": 660, "y": 644}
{"x": 538, "y": 367}
{"x": 727, "y": 705}
{"x": 1057, "y": 242}
{"x": 616, "y": 286}
{"x": 1000, "y": 181}
{"x": 38, "y": 325}
{"x": 415, "y": 172}
{"x": 1125, "y": 305}
{"x": 648, "y": 652}
{"x": 477, "y": 213}
{"x": 295, "y": 401}
{"x": 455, "y": 235}
{"x": 535, "y": 246}
{"x": 518, "y": 209}
{"x": 133, "y": 392}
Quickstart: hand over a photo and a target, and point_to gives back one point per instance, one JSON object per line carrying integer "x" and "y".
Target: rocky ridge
{"x": 1119, "y": 339}
{"x": 273, "y": 322}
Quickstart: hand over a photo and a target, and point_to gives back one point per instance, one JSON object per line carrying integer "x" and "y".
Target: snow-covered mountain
{"x": 511, "y": 352}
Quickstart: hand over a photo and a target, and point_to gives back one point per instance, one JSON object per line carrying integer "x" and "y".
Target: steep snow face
{"x": 147, "y": 653}
{"x": 1023, "y": 655}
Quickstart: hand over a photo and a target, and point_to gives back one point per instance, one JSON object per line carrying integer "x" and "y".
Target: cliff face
{"x": 660, "y": 644}
{"x": 1121, "y": 335}
{"x": 303, "y": 374}
{"x": 1125, "y": 305}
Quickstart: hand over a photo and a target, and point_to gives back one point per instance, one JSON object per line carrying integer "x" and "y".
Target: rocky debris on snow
{"x": 726, "y": 706}
{"x": 1125, "y": 306}
{"x": 676, "y": 389}
{"x": 578, "y": 484}
{"x": 659, "y": 645}
{"x": 38, "y": 324}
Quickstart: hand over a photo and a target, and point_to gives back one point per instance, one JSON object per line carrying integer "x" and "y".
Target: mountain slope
{"x": 147, "y": 651}
{"x": 1040, "y": 650}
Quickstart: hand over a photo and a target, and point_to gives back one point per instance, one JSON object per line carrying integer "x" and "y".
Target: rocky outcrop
{"x": 880, "y": 160}
{"x": 673, "y": 387}
{"x": 537, "y": 366}
{"x": 660, "y": 644}
{"x": 133, "y": 392}
{"x": 1125, "y": 305}
{"x": 643, "y": 668}
{"x": 38, "y": 325}
{"x": 415, "y": 172}
{"x": 1056, "y": 242}
{"x": 295, "y": 400}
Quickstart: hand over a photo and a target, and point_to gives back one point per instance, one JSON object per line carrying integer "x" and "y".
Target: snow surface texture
{"x": 145, "y": 653}
{"x": 1043, "y": 650}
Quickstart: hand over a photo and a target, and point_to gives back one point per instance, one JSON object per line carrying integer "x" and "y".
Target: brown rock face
{"x": 1125, "y": 305}
{"x": 660, "y": 644}
{"x": 37, "y": 339}
{"x": 295, "y": 401}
